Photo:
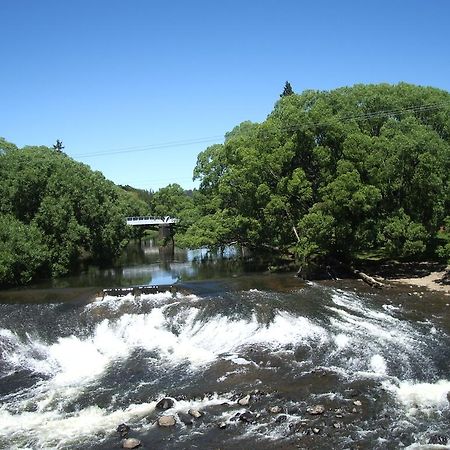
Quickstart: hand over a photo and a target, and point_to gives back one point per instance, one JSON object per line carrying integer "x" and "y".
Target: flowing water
{"x": 73, "y": 366}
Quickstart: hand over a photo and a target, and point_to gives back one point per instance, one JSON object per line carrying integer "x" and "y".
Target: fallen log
{"x": 367, "y": 279}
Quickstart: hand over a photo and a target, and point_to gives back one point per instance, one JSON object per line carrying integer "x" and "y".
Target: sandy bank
{"x": 432, "y": 281}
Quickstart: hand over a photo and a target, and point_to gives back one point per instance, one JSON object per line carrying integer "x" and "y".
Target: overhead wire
{"x": 210, "y": 139}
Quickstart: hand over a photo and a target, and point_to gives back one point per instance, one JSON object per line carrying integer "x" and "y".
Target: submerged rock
{"x": 131, "y": 443}
{"x": 166, "y": 421}
{"x": 316, "y": 410}
{"x": 165, "y": 403}
{"x": 438, "y": 439}
{"x": 186, "y": 419}
{"x": 281, "y": 418}
{"x": 244, "y": 401}
{"x": 247, "y": 416}
{"x": 123, "y": 429}
{"x": 195, "y": 413}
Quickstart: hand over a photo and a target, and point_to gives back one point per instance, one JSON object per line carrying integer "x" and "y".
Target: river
{"x": 329, "y": 365}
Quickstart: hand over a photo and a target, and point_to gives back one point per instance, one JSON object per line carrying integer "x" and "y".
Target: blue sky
{"x": 130, "y": 75}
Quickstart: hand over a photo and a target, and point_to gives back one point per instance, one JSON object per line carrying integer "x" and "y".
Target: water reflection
{"x": 145, "y": 263}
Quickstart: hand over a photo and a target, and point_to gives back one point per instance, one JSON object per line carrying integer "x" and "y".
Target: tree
{"x": 328, "y": 174}
{"x": 64, "y": 208}
{"x": 287, "y": 90}
{"x": 58, "y": 146}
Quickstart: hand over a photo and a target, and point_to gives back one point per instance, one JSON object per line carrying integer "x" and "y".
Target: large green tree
{"x": 331, "y": 173}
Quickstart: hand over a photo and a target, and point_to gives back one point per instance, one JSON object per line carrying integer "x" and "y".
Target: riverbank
{"x": 435, "y": 281}
{"x": 429, "y": 275}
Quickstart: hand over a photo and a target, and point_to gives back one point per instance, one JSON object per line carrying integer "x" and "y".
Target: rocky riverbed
{"x": 262, "y": 362}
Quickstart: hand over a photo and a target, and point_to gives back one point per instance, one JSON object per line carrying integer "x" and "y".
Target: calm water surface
{"x": 73, "y": 365}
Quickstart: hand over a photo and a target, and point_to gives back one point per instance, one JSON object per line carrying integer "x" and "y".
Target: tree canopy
{"x": 332, "y": 173}
{"x": 54, "y": 210}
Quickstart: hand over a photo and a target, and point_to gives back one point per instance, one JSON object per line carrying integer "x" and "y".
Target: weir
{"x": 138, "y": 290}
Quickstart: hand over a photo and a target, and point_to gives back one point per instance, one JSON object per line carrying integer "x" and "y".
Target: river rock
{"x": 357, "y": 403}
{"x": 166, "y": 421}
{"x": 448, "y": 396}
{"x": 195, "y": 413}
{"x": 316, "y": 410}
{"x": 275, "y": 409}
{"x": 281, "y": 418}
{"x": 438, "y": 439}
{"x": 222, "y": 425}
{"x": 165, "y": 403}
{"x": 186, "y": 419}
{"x": 247, "y": 416}
{"x": 131, "y": 443}
{"x": 123, "y": 429}
{"x": 244, "y": 401}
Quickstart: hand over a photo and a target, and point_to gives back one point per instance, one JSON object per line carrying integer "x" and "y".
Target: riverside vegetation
{"x": 54, "y": 211}
{"x": 327, "y": 176}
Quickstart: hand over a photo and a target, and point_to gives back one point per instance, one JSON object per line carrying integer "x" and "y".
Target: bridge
{"x": 164, "y": 224}
{"x": 151, "y": 221}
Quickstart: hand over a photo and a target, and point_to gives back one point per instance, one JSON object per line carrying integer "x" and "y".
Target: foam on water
{"x": 358, "y": 339}
{"x": 423, "y": 397}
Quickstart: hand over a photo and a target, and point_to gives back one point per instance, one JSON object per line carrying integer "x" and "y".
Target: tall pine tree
{"x": 287, "y": 90}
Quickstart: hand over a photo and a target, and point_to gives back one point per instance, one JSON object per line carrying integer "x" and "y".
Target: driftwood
{"x": 328, "y": 269}
{"x": 367, "y": 279}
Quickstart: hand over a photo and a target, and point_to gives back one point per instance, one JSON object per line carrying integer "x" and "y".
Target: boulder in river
{"x": 166, "y": 421}
{"x": 131, "y": 443}
{"x": 165, "y": 403}
{"x": 316, "y": 410}
{"x": 244, "y": 401}
{"x": 222, "y": 425}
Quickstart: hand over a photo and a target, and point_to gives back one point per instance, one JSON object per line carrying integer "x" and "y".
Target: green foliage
{"x": 287, "y": 90}
{"x": 331, "y": 174}
{"x": 403, "y": 237}
{"x": 62, "y": 207}
{"x": 23, "y": 252}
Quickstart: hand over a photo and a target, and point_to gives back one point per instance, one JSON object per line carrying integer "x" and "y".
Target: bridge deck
{"x": 151, "y": 220}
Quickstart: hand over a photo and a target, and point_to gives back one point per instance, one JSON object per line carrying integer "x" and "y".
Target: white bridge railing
{"x": 151, "y": 220}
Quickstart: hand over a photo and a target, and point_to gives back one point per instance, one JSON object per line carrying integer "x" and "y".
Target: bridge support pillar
{"x": 165, "y": 231}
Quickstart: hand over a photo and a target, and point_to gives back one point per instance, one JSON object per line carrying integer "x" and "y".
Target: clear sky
{"x": 121, "y": 81}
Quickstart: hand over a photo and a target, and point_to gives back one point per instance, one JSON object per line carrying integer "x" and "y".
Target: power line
{"x": 142, "y": 148}
{"x": 210, "y": 139}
